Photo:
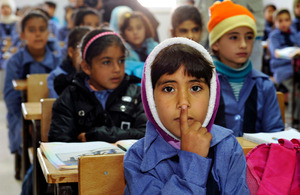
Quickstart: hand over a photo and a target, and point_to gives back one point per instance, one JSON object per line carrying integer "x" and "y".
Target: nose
{"x": 190, "y": 35}
{"x": 183, "y": 99}
{"x": 243, "y": 43}
{"x": 116, "y": 67}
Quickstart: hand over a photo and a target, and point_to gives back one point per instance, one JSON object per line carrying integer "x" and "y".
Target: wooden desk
{"x": 20, "y": 84}
{"x": 246, "y": 145}
{"x": 55, "y": 176}
{"x": 31, "y": 110}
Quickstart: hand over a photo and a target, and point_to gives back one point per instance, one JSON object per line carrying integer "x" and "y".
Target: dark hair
{"x": 91, "y": 3}
{"x": 281, "y": 11}
{"x": 184, "y": 13}
{"x": 125, "y": 19}
{"x": 51, "y": 4}
{"x": 33, "y": 14}
{"x": 100, "y": 44}
{"x": 81, "y": 13}
{"x": 270, "y": 5}
{"x": 195, "y": 63}
{"x": 76, "y": 35}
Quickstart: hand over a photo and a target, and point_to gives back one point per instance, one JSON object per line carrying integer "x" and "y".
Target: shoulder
{"x": 274, "y": 33}
{"x": 135, "y": 152}
{"x": 262, "y": 80}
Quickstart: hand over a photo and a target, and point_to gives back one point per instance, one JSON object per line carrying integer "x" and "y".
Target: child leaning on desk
{"x": 248, "y": 101}
{"x": 183, "y": 152}
{"x": 35, "y": 57}
{"x": 102, "y": 103}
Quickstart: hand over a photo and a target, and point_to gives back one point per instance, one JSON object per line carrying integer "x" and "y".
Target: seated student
{"x": 187, "y": 22}
{"x": 248, "y": 97}
{"x": 269, "y": 23}
{"x": 296, "y": 21}
{"x": 51, "y": 8}
{"x": 36, "y": 57}
{"x": 281, "y": 37}
{"x": 116, "y": 16}
{"x": 102, "y": 103}
{"x": 70, "y": 66}
{"x": 138, "y": 33}
{"x": 87, "y": 17}
{"x": 64, "y": 31}
{"x": 183, "y": 152}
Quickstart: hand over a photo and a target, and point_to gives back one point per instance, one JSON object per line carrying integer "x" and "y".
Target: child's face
{"x": 188, "y": 29}
{"x": 234, "y": 48}
{"x": 6, "y": 10}
{"x": 269, "y": 14}
{"x": 135, "y": 33}
{"x": 283, "y": 22}
{"x": 297, "y": 9}
{"x": 91, "y": 20}
{"x": 171, "y": 92}
{"x": 107, "y": 69}
{"x": 35, "y": 33}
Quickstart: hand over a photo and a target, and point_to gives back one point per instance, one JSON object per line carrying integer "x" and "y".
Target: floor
{"x": 8, "y": 184}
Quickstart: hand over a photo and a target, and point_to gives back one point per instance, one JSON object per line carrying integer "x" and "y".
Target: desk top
{"x": 53, "y": 175}
{"x": 31, "y": 110}
{"x": 20, "y": 84}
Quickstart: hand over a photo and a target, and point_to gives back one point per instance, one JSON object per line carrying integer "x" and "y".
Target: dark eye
{"x": 249, "y": 37}
{"x": 183, "y": 31}
{"x": 233, "y": 38}
{"x": 196, "y": 88}
{"x": 121, "y": 61}
{"x": 195, "y": 30}
{"x": 107, "y": 62}
{"x": 168, "y": 89}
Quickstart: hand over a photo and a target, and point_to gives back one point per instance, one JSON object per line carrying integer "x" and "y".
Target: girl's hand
{"x": 81, "y": 137}
{"x": 194, "y": 138}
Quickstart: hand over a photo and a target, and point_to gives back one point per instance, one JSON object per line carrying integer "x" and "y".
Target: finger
{"x": 184, "y": 126}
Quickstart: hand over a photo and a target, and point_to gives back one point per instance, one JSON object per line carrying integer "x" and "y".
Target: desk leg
{"x": 37, "y": 172}
{"x": 25, "y": 145}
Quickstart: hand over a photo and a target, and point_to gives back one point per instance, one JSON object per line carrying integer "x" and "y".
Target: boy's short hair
{"x": 184, "y": 13}
{"x": 226, "y": 16}
{"x": 51, "y": 4}
{"x": 195, "y": 63}
{"x": 33, "y": 14}
{"x": 270, "y": 5}
{"x": 82, "y": 12}
{"x": 279, "y": 12}
{"x": 125, "y": 19}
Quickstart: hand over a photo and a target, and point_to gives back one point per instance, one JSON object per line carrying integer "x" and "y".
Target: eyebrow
{"x": 237, "y": 33}
{"x": 106, "y": 57}
{"x": 173, "y": 81}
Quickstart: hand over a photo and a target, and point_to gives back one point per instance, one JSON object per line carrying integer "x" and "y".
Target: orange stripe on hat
{"x": 225, "y": 16}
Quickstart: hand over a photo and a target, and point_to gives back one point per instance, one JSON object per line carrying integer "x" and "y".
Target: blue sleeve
{"x": 232, "y": 168}
{"x": 185, "y": 179}
{"x": 272, "y": 120}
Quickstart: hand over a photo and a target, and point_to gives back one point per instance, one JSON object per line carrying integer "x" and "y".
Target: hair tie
{"x": 96, "y": 37}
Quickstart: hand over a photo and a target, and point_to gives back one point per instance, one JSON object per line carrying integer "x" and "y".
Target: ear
{"x": 70, "y": 52}
{"x": 215, "y": 46}
{"x": 86, "y": 68}
{"x": 172, "y": 32}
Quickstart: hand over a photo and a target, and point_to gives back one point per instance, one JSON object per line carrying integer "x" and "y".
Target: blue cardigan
{"x": 150, "y": 166}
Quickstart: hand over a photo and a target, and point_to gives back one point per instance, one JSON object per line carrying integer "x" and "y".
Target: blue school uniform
{"x": 63, "y": 33}
{"x": 282, "y": 68}
{"x": 153, "y": 166}
{"x": 256, "y": 110}
{"x": 20, "y": 64}
{"x": 133, "y": 64}
{"x": 8, "y": 30}
{"x": 296, "y": 25}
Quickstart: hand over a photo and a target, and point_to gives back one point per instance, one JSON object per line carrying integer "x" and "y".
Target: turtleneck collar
{"x": 234, "y": 75}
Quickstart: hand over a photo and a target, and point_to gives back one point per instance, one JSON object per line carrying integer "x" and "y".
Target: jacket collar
{"x": 154, "y": 142}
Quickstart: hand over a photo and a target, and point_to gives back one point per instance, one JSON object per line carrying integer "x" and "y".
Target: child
{"x": 8, "y": 20}
{"x": 69, "y": 66}
{"x": 269, "y": 25}
{"x": 102, "y": 103}
{"x": 187, "y": 22}
{"x": 36, "y": 57}
{"x": 136, "y": 29}
{"x": 248, "y": 97}
{"x": 87, "y": 17}
{"x": 284, "y": 36}
{"x": 64, "y": 31}
{"x": 296, "y": 22}
{"x": 183, "y": 152}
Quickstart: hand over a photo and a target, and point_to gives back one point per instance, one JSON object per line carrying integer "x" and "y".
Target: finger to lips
{"x": 184, "y": 119}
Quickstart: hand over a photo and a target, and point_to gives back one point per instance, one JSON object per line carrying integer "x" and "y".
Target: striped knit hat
{"x": 225, "y": 16}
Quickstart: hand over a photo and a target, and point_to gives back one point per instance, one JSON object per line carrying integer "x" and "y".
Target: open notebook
{"x": 272, "y": 137}
{"x": 65, "y": 155}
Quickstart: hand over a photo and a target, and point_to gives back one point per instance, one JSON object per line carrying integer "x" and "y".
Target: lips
{"x": 242, "y": 54}
{"x": 115, "y": 79}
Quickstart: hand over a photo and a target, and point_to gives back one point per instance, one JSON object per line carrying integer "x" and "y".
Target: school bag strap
{"x": 274, "y": 168}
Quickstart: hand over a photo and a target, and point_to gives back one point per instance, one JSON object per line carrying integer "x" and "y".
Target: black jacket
{"x": 78, "y": 110}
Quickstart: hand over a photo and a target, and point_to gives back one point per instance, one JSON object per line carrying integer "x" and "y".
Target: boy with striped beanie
{"x": 248, "y": 102}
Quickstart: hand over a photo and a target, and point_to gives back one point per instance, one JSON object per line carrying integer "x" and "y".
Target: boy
{"x": 269, "y": 25}
{"x": 284, "y": 36}
{"x": 183, "y": 152}
{"x": 248, "y": 100}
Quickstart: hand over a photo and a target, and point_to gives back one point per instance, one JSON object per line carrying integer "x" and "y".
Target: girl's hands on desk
{"x": 81, "y": 137}
{"x": 194, "y": 138}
